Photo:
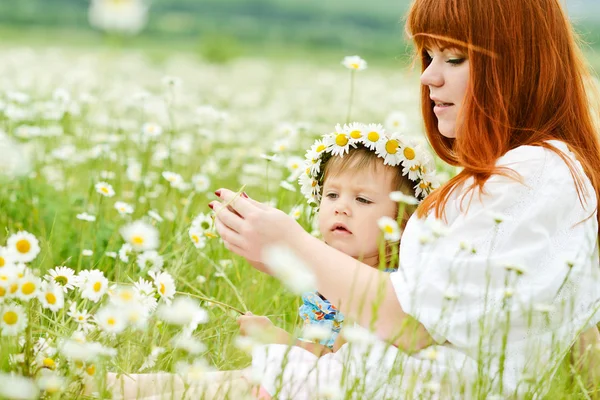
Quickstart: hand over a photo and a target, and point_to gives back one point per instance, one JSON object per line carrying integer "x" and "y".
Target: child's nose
{"x": 342, "y": 208}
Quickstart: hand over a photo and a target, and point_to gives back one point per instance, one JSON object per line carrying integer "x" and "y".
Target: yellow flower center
{"x": 409, "y": 153}
{"x": 373, "y": 136}
{"x": 23, "y": 246}
{"x": 162, "y": 289}
{"x": 10, "y": 318}
{"x": 111, "y": 321}
{"x": 295, "y": 166}
{"x": 2, "y": 261}
{"x": 424, "y": 185}
{"x": 91, "y": 370}
{"x": 341, "y": 140}
{"x": 13, "y": 288}
{"x": 320, "y": 148}
{"x": 314, "y": 183}
{"x": 104, "y": 190}
{"x": 415, "y": 168}
{"x": 356, "y": 134}
{"x": 126, "y": 295}
{"x": 62, "y": 280}
{"x": 97, "y": 286}
{"x": 49, "y": 363}
{"x": 354, "y": 66}
{"x": 2, "y": 291}
{"x": 210, "y": 235}
{"x": 391, "y": 146}
{"x": 195, "y": 238}
{"x": 388, "y": 229}
{"x": 81, "y": 318}
{"x": 137, "y": 240}
{"x": 28, "y": 288}
{"x": 50, "y": 298}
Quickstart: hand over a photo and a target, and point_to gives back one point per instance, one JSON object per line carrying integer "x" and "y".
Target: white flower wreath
{"x": 394, "y": 149}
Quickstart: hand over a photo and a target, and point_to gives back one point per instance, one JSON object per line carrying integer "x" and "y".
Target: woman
{"x": 498, "y": 296}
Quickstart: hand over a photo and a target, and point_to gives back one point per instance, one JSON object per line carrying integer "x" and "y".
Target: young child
{"x": 355, "y": 177}
{"x": 353, "y": 191}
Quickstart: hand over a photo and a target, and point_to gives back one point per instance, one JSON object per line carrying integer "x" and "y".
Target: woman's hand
{"x": 248, "y": 226}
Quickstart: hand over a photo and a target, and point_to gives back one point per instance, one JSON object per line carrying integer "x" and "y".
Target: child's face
{"x": 352, "y": 203}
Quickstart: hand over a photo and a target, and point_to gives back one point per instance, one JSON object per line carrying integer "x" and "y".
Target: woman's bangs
{"x": 438, "y": 23}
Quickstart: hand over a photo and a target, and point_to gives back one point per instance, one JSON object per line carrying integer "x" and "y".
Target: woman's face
{"x": 447, "y": 77}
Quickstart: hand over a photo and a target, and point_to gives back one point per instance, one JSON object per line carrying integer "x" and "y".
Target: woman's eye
{"x": 363, "y": 200}
{"x": 456, "y": 61}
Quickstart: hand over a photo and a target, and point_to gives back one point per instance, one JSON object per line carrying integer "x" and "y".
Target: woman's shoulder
{"x": 534, "y": 162}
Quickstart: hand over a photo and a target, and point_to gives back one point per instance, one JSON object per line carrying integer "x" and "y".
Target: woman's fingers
{"x": 239, "y": 203}
{"x": 227, "y": 216}
{"x": 233, "y": 240}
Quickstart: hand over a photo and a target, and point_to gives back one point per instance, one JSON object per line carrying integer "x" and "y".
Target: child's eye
{"x": 363, "y": 200}
{"x": 332, "y": 195}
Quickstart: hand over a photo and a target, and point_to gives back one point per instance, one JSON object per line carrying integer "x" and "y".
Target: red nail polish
{"x": 218, "y": 193}
{"x": 211, "y": 206}
{"x": 244, "y": 195}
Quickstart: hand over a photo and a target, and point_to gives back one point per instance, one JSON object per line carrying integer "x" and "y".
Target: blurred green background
{"x": 220, "y": 30}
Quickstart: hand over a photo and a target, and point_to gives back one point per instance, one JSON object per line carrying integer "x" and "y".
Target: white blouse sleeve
{"x": 535, "y": 249}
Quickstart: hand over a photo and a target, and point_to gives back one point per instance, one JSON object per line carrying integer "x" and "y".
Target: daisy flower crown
{"x": 396, "y": 150}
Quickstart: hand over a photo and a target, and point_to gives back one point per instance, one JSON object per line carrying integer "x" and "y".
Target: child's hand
{"x": 251, "y": 325}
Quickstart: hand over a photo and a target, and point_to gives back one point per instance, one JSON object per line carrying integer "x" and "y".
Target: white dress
{"x": 538, "y": 269}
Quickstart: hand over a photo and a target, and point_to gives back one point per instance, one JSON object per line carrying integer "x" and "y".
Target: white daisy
{"x": 93, "y": 285}
{"x": 150, "y": 259}
{"x": 338, "y": 142}
{"x": 197, "y": 237}
{"x": 354, "y": 63}
{"x": 145, "y": 293}
{"x": 155, "y": 216}
{"x": 86, "y": 217}
{"x": 51, "y": 383}
{"x": 175, "y": 180}
{"x": 390, "y": 229}
{"x": 203, "y": 222}
{"x": 296, "y": 212}
{"x": 51, "y": 296}
{"x": 23, "y": 246}
{"x": 151, "y": 130}
{"x": 87, "y": 252}
{"x": 428, "y": 183}
{"x": 150, "y": 361}
{"x": 356, "y": 131}
{"x": 201, "y": 183}
{"x": 82, "y": 318}
{"x": 400, "y": 197}
{"x": 17, "y": 387}
{"x": 105, "y": 189}
{"x": 165, "y": 285}
{"x": 140, "y": 235}
{"x": 124, "y": 252}
{"x": 29, "y": 287}
{"x": 287, "y": 186}
{"x": 390, "y": 150}
{"x": 289, "y": 269}
{"x": 111, "y": 319}
{"x": 373, "y": 135}
{"x": 308, "y": 185}
{"x": 396, "y": 121}
{"x": 281, "y": 145}
{"x": 188, "y": 343}
{"x": 123, "y": 208}
{"x": 6, "y": 257}
{"x": 13, "y": 319}
{"x": 182, "y": 311}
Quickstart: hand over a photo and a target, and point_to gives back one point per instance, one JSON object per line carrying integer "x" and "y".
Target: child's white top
{"x": 538, "y": 268}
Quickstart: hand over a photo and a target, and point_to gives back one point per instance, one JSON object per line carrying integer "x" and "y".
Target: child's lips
{"x": 341, "y": 229}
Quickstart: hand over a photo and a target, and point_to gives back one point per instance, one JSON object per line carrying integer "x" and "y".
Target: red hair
{"x": 527, "y": 85}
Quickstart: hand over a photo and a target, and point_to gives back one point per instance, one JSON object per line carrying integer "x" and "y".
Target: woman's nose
{"x": 432, "y": 76}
